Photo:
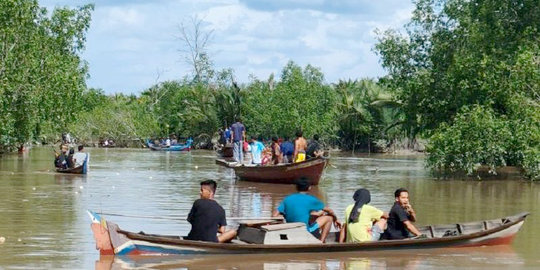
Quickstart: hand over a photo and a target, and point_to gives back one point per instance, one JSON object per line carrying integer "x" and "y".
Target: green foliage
{"x": 300, "y": 100}
{"x": 459, "y": 54}
{"x": 479, "y": 137}
{"x": 118, "y": 117}
{"x": 41, "y": 74}
{"x": 365, "y": 112}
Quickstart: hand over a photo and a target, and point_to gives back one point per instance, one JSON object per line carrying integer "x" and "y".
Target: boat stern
{"x": 101, "y": 234}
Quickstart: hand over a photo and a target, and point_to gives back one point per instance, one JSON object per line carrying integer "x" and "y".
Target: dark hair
{"x": 238, "y": 119}
{"x": 80, "y": 147}
{"x": 274, "y": 139}
{"x": 302, "y": 184}
{"x": 253, "y": 137}
{"x": 316, "y": 137}
{"x": 285, "y": 138}
{"x": 211, "y": 183}
{"x": 71, "y": 151}
{"x": 299, "y": 133}
{"x": 398, "y": 192}
{"x": 361, "y": 196}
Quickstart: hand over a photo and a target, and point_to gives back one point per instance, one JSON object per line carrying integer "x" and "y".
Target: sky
{"x": 134, "y": 44}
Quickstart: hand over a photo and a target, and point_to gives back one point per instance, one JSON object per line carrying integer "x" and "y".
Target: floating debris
{"x": 2, "y": 240}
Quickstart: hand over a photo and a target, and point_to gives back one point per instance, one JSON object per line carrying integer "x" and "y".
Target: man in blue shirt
{"x": 287, "y": 149}
{"x": 301, "y": 206}
{"x": 238, "y": 136}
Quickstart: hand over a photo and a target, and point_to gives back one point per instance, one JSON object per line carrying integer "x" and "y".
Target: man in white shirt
{"x": 80, "y": 157}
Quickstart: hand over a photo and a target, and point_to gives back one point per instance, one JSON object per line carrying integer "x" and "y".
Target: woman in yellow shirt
{"x": 363, "y": 222}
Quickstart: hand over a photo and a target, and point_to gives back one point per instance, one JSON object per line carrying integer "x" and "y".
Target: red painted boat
{"x": 294, "y": 238}
{"x": 286, "y": 173}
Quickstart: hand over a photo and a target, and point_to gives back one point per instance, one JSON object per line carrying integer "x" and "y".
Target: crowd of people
{"x": 278, "y": 150}
{"x": 67, "y": 158}
{"x": 362, "y": 222}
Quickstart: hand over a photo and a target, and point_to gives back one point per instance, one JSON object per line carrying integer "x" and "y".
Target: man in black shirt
{"x": 401, "y": 217}
{"x": 207, "y": 217}
{"x": 314, "y": 147}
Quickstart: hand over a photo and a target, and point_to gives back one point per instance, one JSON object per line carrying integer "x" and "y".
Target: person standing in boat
{"x": 257, "y": 148}
{"x": 276, "y": 151}
{"x": 207, "y": 217}
{"x": 303, "y": 207}
{"x": 287, "y": 149}
{"x": 401, "y": 218}
{"x": 300, "y": 145}
{"x": 238, "y": 136}
{"x": 363, "y": 222}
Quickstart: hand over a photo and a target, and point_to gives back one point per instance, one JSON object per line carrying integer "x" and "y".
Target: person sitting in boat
{"x": 301, "y": 207}
{"x": 80, "y": 157}
{"x": 69, "y": 159}
{"x": 363, "y": 222}
{"x": 287, "y": 150}
{"x": 60, "y": 160}
{"x": 207, "y": 217}
{"x": 300, "y": 145}
{"x": 276, "y": 151}
{"x": 257, "y": 148}
{"x": 401, "y": 218}
{"x": 314, "y": 148}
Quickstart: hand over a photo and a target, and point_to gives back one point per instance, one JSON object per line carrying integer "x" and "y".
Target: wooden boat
{"x": 286, "y": 173}
{"x": 226, "y": 151}
{"x": 76, "y": 170}
{"x": 175, "y": 147}
{"x": 294, "y": 238}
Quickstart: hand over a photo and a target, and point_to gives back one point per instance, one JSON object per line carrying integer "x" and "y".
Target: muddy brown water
{"x": 45, "y": 225}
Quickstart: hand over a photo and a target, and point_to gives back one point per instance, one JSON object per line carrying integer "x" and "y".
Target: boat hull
{"x": 77, "y": 170}
{"x": 283, "y": 173}
{"x": 110, "y": 239}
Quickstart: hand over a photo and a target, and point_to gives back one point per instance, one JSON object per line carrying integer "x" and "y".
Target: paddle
{"x": 185, "y": 217}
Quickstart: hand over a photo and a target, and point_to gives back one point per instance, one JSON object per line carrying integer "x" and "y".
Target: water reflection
{"x": 494, "y": 257}
{"x": 47, "y": 210}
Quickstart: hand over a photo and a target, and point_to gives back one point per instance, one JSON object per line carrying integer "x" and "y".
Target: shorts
{"x": 300, "y": 157}
{"x": 313, "y": 228}
{"x": 376, "y": 232}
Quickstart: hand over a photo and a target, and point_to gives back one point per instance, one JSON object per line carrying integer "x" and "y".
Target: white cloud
{"x": 130, "y": 43}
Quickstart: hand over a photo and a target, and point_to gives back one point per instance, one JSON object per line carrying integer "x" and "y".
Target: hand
{"x": 337, "y": 224}
{"x": 409, "y": 208}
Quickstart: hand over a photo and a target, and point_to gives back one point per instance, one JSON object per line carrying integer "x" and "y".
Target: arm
{"x": 276, "y": 213}
{"x": 343, "y": 233}
{"x": 295, "y": 153}
{"x": 221, "y": 229}
{"x": 411, "y": 228}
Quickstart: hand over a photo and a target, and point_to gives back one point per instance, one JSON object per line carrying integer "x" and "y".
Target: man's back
{"x": 287, "y": 148}
{"x": 396, "y": 229}
{"x": 237, "y": 129}
{"x": 79, "y": 158}
{"x": 206, "y": 216}
{"x": 298, "y": 206}
{"x": 300, "y": 144}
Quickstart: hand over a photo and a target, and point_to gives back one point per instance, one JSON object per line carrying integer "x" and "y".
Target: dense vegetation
{"x": 465, "y": 77}
{"x": 468, "y": 74}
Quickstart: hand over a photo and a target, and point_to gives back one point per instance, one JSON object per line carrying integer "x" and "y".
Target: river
{"x": 45, "y": 225}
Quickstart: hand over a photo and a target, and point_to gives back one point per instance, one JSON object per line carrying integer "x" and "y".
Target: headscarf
{"x": 361, "y": 197}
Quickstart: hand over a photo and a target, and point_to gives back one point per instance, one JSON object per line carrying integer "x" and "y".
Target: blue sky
{"x": 131, "y": 45}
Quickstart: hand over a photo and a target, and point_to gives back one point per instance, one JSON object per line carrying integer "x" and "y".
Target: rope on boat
{"x": 185, "y": 217}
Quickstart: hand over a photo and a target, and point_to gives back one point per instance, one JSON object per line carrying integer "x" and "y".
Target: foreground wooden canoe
{"x": 286, "y": 173}
{"x": 111, "y": 240}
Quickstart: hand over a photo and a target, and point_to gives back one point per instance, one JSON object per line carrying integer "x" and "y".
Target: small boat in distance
{"x": 75, "y": 170}
{"x": 267, "y": 237}
{"x": 285, "y": 173}
{"x": 175, "y": 147}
